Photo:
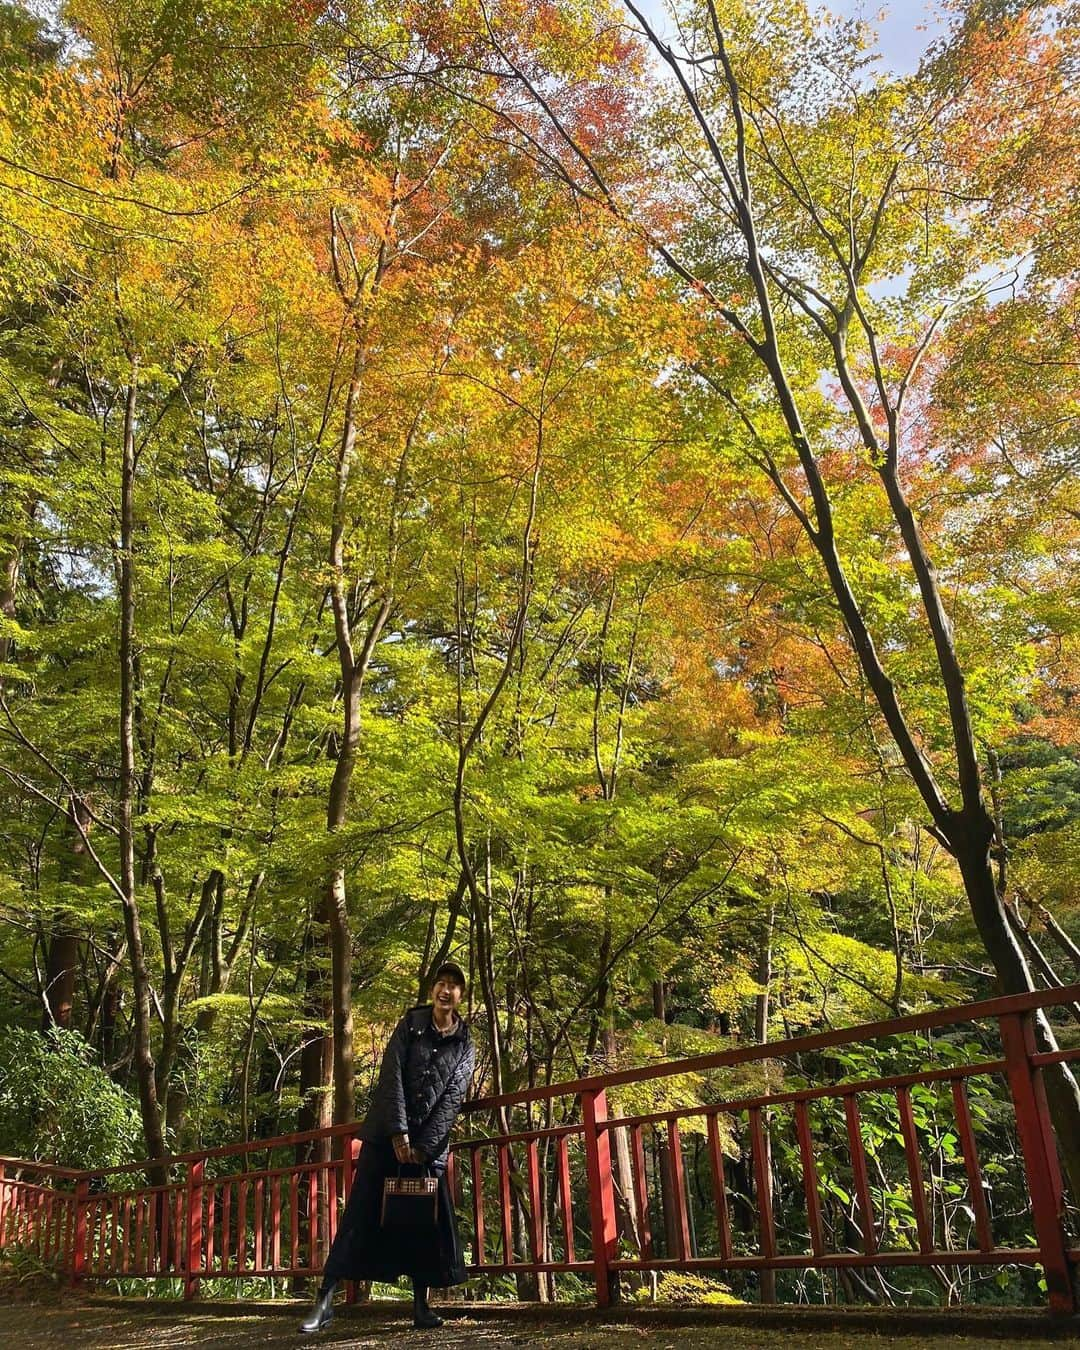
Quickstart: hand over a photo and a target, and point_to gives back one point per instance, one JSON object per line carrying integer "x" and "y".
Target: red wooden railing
{"x": 251, "y": 1210}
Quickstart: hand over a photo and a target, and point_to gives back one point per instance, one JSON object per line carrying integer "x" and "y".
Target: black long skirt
{"x": 364, "y": 1250}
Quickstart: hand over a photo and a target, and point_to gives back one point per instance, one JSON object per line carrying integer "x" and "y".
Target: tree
{"x": 789, "y": 257}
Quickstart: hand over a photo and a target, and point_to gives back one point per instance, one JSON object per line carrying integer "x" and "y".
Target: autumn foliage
{"x": 479, "y": 480}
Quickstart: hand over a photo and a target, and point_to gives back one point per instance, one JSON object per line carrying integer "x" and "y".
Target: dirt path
{"x": 97, "y": 1326}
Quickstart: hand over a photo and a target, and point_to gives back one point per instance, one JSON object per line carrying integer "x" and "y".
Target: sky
{"x": 906, "y": 27}
{"x": 905, "y": 31}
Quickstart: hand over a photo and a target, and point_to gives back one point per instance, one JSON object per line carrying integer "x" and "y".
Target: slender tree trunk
{"x": 316, "y": 1057}
{"x": 173, "y": 1101}
{"x": 764, "y": 980}
{"x": 483, "y": 949}
{"x": 62, "y": 945}
{"x": 143, "y": 1051}
{"x": 603, "y": 988}
{"x": 62, "y": 955}
{"x": 663, "y": 1154}
{"x": 333, "y": 913}
{"x": 105, "y": 1018}
{"x": 1067, "y": 945}
{"x": 761, "y": 1035}
{"x": 480, "y": 897}
{"x": 10, "y": 561}
{"x": 432, "y": 961}
{"x": 335, "y": 902}
{"x": 628, "y": 1219}
{"x": 1034, "y": 952}
{"x": 667, "y": 1194}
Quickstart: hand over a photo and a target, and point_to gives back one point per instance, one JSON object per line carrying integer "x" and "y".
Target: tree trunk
{"x": 335, "y": 913}
{"x": 61, "y": 968}
{"x": 666, "y": 1173}
{"x": 143, "y": 1052}
{"x": 316, "y": 1059}
{"x": 1063, "y": 1096}
{"x": 62, "y": 955}
{"x": 764, "y": 979}
{"x": 62, "y": 948}
{"x": 663, "y": 1156}
{"x": 603, "y": 987}
{"x": 761, "y": 1035}
{"x": 1067, "y": 945}
{"x": 432, "y": 962}
{"x": 109, "y": 1016}
{"x": 628, "y": 1220}
{"x": 9, "y": 584}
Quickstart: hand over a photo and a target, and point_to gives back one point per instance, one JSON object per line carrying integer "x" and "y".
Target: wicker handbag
{"x": 410, "y": 1205}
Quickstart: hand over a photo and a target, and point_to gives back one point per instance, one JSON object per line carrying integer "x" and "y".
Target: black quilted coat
{"x": 422, "y": 1083}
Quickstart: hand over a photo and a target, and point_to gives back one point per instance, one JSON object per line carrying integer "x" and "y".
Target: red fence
{"x": 605, "y": 1194}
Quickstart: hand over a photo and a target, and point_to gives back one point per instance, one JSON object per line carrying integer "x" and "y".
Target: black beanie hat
{"x": 454, "y": 971}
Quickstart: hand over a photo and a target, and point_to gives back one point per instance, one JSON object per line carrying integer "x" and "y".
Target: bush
{"x": 677, "y": 1287}
{"x": 26, "y": 1277}
{"x": 57, "y": 1106}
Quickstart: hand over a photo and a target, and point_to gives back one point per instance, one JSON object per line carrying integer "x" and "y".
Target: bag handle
{"x": 425, "y": 1168}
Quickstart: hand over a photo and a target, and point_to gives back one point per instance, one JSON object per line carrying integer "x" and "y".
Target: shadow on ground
{"x": 114, "y": 1325}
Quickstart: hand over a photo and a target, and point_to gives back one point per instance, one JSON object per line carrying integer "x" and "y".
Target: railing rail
{"x": 276, "y": 1216}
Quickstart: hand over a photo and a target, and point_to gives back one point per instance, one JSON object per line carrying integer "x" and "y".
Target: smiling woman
{"x": 423, "y": 1079}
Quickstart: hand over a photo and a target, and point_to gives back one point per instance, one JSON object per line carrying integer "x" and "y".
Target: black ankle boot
{"x": 423, "y": 1318}
{"x": 321, "y": 1313}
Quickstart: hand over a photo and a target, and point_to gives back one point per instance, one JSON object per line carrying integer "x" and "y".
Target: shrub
{"x": 57, "y": 1106}
{"x": 677, "y": 1287}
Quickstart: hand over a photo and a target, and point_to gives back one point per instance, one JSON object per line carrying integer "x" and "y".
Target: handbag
{"x": 410, "y": 1206}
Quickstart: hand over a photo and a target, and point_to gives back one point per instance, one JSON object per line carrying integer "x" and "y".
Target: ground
{"x": 99, "y": 1324}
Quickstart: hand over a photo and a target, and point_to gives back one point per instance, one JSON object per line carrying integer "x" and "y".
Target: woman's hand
{"x": 417, "y": 1156}
{"x": 402, "y": 1152}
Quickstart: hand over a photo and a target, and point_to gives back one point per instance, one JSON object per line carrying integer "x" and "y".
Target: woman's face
{"x": 446, "y": 993}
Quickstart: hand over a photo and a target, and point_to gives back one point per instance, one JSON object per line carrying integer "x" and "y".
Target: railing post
{"x": 81, "y": 1205}
{"x": 1040, "y": 1158}
{"x": 352, "y": 1155}
{"x": 601, "y": 1195}
{"x": 3, "y": 1206}
{"x": 193, "y": 1194}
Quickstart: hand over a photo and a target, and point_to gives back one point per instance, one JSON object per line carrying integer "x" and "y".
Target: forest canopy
{"x": 593, "y": 499}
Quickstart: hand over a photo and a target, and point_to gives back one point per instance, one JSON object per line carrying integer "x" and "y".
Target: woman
{"x": 422, "y": 1082}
